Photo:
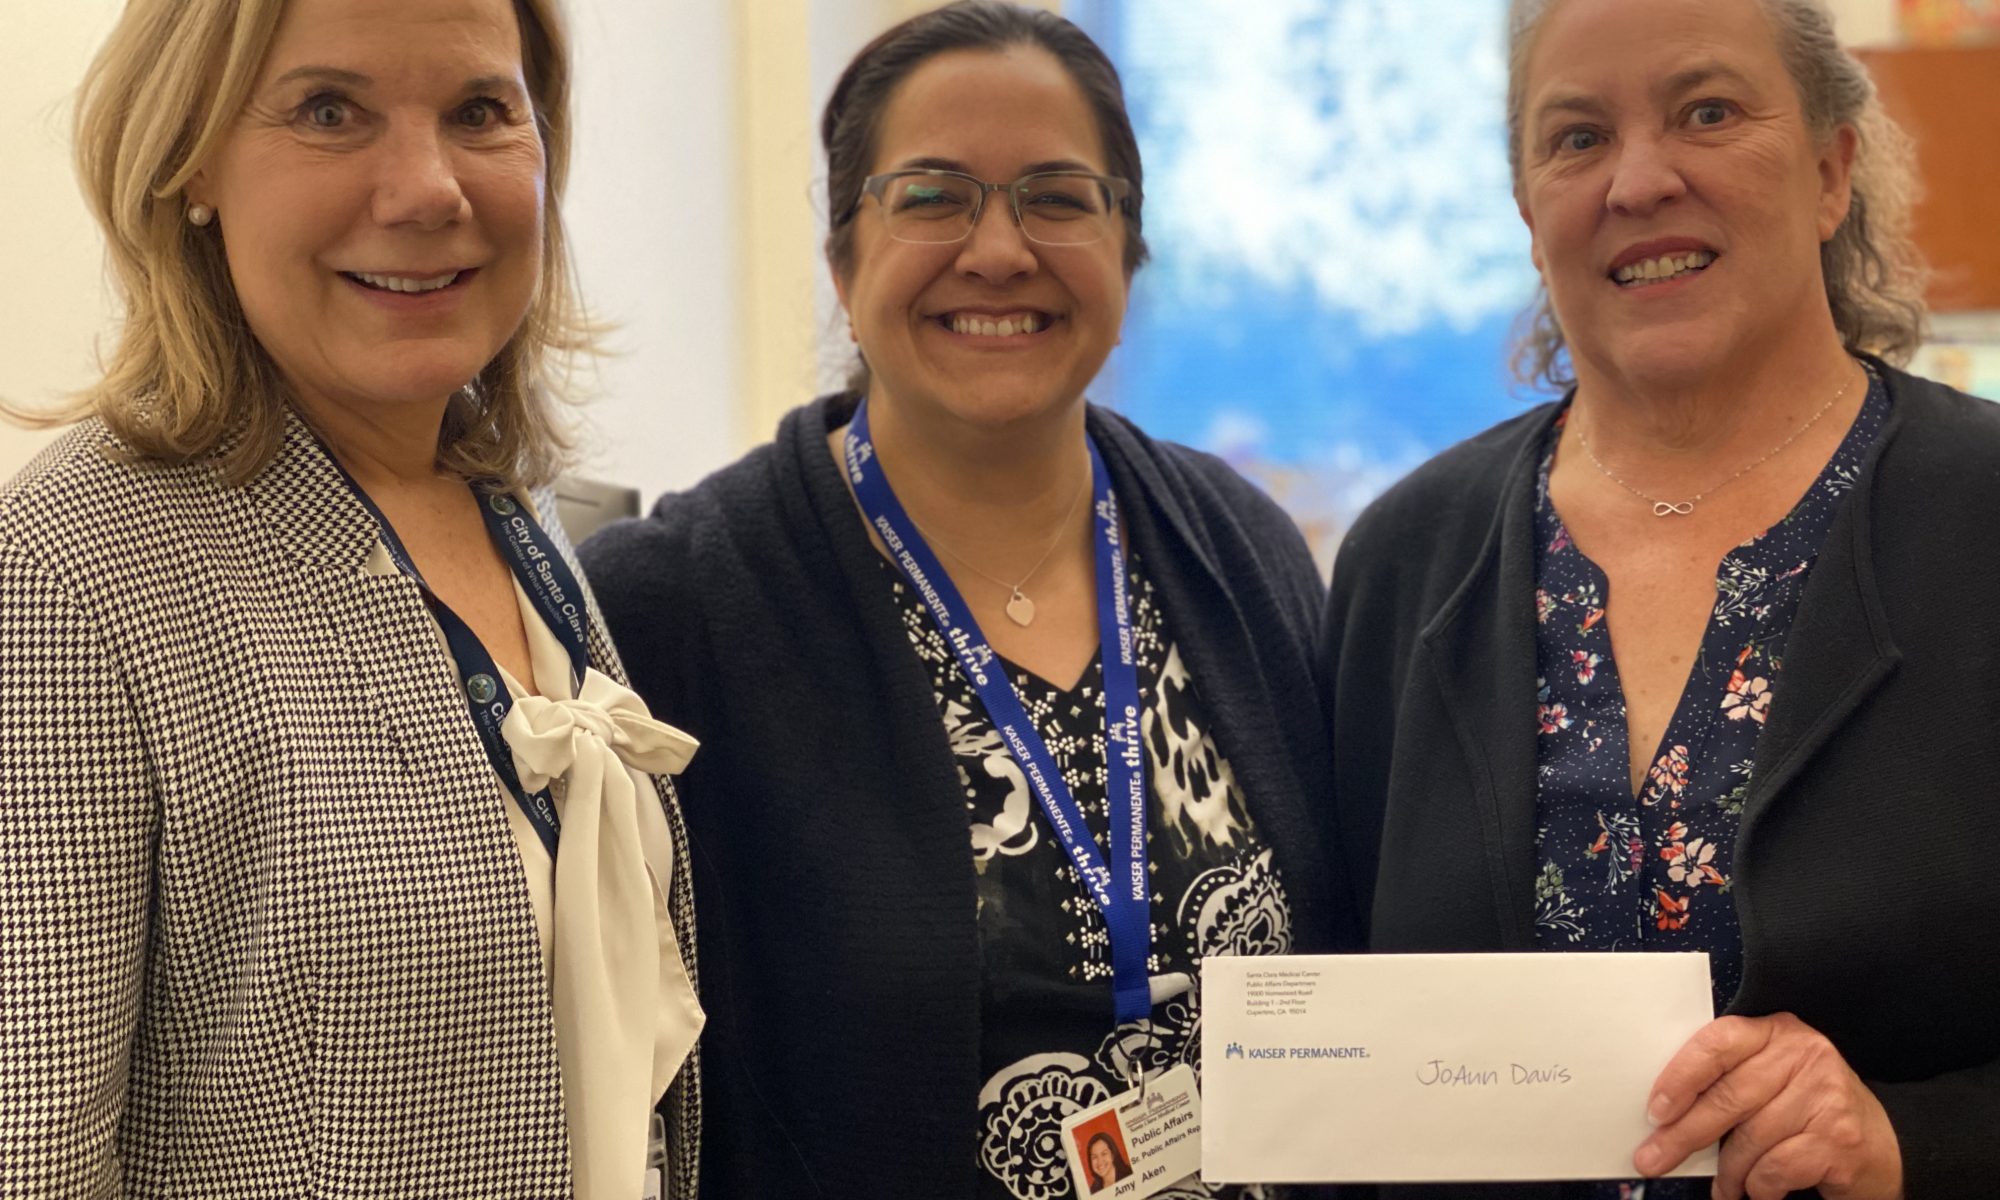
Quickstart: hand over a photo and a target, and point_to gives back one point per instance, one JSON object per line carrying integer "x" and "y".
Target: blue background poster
{"x": 1337, "y": 259}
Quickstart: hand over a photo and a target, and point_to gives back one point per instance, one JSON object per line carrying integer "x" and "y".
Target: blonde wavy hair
{"x": 1874, "y": 273}
{"x": 186, "y": 378}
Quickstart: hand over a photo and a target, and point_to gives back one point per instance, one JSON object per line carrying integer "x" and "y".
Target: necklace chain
{"x": 1682, "y": 508}
{"x": 1020, "y": 609}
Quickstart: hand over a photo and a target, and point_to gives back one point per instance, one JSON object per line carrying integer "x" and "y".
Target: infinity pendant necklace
{"x": 1682, "y": 508}
{"x": 1020, "y": 609}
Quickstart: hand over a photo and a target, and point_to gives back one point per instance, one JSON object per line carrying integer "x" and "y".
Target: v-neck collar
{"x": 1745, "y": 573}
{"x": 1479, "y": 647}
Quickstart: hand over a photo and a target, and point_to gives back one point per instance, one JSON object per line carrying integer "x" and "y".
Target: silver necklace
{"x": 1020, "y": 609}
{"x": 1682, "y": 508}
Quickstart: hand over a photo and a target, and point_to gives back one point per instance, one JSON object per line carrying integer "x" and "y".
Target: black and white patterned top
{"x": 1048, "y": 1044}
{"x": 264, "y": 931}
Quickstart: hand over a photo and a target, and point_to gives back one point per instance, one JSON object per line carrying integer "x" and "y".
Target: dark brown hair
{"x": 854, "y": 114}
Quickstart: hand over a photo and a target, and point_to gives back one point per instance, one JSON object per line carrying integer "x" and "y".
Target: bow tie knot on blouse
{"x": 625, "y": 1011}
{"x": 548, "y": 736}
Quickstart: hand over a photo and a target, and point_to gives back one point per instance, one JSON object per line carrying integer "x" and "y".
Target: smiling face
{"x": 1676, "y": 197}
{"x": 1102, "y": 1164}
{"x": 996, "y": 328}
{"x": 380, "y": 196}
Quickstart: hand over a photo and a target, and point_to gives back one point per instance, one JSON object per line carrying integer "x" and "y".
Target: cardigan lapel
{"x": 1481, "y": 651}
{"x": 913, "y": 814}
{"x": 841, "y": 560}
{"x": 1224, "y": 647}
{"x": 1839, "y": 650}
{"x": 818, "y": 498}
{"x": 1162, "y": 516}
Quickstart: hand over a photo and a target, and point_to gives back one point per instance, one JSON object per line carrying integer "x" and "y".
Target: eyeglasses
{"x": 1055, "y": 208}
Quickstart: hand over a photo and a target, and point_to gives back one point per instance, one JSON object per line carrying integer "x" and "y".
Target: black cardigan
{"x": 1867, "y": 879}
{"x": 833, "y": 876}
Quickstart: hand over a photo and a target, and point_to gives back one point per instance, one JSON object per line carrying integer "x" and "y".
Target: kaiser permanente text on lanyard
{"x": 1121, "y": 890}
{"x": 550, "y": 585}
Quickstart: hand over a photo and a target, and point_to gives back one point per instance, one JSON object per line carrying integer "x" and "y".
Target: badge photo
{"x": 1139, "y": 1142}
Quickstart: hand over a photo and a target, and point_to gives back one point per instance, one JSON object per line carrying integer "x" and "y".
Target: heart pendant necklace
{"x": 1020, "y": 609}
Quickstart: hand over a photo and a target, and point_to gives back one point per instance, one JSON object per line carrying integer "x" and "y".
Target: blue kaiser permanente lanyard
{"x": 1121, "y": 890}
{"x": 551, "y": 587}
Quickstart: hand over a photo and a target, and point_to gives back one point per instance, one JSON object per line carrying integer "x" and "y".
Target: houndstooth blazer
{"x": 263, "y": 928}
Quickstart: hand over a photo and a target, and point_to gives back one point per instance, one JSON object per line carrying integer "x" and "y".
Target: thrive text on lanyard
{"x": 550, "y": 586}
{"x": 1121, "y": 889}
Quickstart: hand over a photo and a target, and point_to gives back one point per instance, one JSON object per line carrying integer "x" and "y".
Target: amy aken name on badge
{"x": 1138, "y": 1143}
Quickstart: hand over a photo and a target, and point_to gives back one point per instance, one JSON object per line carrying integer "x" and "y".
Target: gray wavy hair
{"x": 1874, "y": 273}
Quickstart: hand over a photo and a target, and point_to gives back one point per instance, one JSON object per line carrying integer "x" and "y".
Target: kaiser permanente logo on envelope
{"x": 1441, "y": 1068}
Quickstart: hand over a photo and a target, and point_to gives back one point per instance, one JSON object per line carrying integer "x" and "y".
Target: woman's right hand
{"x": 1789, "y": 1111}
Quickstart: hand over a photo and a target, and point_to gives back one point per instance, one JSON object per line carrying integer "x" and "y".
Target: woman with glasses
{"x": 1008, "y": 708}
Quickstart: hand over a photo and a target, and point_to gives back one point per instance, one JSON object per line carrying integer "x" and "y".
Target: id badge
{"x": 1139, "y": 1142}
{"x": 655, "y": 1187}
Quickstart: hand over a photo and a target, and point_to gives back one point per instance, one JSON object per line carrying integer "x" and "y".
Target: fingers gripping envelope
{"x": 1439, "y": 1068}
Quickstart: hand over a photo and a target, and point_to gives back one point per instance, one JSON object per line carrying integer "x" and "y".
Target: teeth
{"x": 1667, "y": 266}
{"x": 396, "y": 283}
{"x": 1004, "y": 327}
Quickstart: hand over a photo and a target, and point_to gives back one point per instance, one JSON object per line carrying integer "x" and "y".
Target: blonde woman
{"x": 299, "y": 692}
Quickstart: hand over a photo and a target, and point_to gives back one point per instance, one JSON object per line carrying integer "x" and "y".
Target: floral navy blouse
{"x": 1654, "y": 871}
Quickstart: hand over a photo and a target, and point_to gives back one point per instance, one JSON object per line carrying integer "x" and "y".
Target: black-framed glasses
{"x": 1055, "y": 208}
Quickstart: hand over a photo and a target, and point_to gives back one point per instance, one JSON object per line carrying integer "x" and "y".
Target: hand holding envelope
{"x": 1440, "y": 1068}
{"x": 1796, "y": 1115}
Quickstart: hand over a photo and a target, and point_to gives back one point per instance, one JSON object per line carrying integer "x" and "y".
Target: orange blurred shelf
{"x": 1948, "y": 98}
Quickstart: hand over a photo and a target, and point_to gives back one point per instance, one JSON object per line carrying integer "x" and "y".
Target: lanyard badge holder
{"x": 554, "y": 591}
{"x": 1120, "y": 888}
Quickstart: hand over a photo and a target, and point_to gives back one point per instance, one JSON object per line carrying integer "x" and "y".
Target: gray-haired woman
{"x": 1702, "y": 657}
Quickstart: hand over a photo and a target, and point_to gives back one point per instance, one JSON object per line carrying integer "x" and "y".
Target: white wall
{"x": 652, "y": 212}
{"x": 840, "y": 28}
{"x": 1864, "y": 22}
{"x": 55, "y": 302}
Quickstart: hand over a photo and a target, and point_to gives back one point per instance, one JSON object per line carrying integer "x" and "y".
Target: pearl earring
{"x": 200, "y": 214}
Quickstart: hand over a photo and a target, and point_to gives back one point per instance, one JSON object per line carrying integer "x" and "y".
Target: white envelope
{"x": 1443, "y": 1068}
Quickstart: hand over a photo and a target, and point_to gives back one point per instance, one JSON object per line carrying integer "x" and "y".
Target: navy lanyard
{"x": 550, "y": 586}
{"x": 1121, "y": 889}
